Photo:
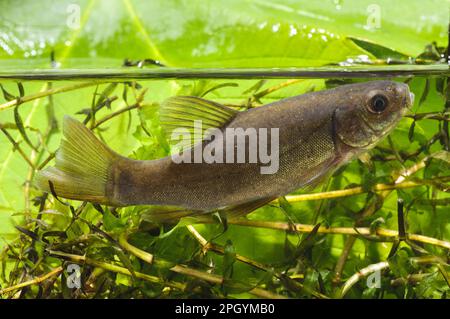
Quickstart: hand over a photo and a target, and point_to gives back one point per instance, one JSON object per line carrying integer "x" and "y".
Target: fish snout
{"x": 402, "y": 90}
{"x": 410, "y": 103}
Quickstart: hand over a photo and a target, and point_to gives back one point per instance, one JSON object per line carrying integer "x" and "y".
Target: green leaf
{"x": 6, "y": 95}
{"x": 400, "y": 263}
{"x": 379, "y": 51}
{"x": 111, "y": 222}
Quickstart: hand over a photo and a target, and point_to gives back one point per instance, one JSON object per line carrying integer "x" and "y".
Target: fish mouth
{"x": 403, "y": 91}
{"x": 410, "y": 103}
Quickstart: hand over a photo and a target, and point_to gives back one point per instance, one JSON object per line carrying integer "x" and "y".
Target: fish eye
{"x": 378, "y": 103}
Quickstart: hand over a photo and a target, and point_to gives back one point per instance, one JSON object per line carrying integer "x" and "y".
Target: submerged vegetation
{"x": 372, "y": 215}
{"x": 378, "y": 228}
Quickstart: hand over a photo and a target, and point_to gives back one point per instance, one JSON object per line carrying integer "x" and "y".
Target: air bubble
{"x": 276, "y": 27}
{"x": 293, "y": 31}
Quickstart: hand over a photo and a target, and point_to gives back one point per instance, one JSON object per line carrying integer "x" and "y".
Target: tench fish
{"x": 310, "y": 136}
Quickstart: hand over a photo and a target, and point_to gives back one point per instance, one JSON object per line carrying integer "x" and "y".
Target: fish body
{"x": 316, "y": 133}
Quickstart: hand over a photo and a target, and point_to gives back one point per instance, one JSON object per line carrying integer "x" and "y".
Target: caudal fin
{"x": 82, "y": 166}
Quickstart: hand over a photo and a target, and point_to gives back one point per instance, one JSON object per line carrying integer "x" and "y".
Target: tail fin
{"x": 82, "y": 166}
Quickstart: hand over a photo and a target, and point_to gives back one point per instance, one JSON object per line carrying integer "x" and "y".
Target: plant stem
{"x": 372, "y": 208}
{"x": 42, "y": 94}
{"x": 361, "y": 274}
{"x": 35, "y": 281}
{"x": 379, "y": 234}
{"x": 184, "y": 270}
{"x": 357, "y": 191}
{"x": 380, "y": 266}
{"x": 16, "y": 146}
{"x": 114, "y": 114}
{"x": 136, "y": 105}
{"x": 114, "y": 268}
{"x": 438, "y": 116}
{"x": 274, "y": 88}
{"x": 221, "y": 250}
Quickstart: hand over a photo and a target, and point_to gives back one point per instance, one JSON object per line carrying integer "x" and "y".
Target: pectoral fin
{"x": 169, "y": 214}
{"x": 173, "y": 214}
{"x": 241, "y": 210}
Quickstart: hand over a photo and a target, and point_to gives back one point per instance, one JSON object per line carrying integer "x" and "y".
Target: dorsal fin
{"x": 181, "y": 112}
